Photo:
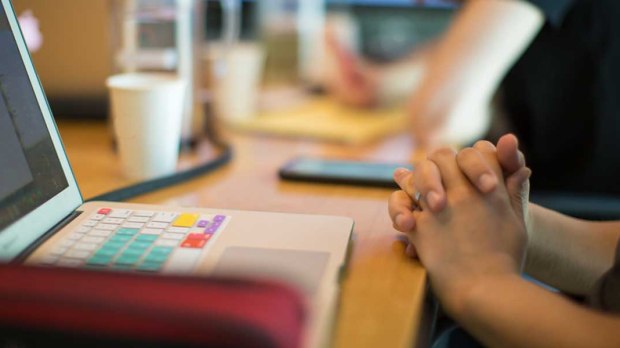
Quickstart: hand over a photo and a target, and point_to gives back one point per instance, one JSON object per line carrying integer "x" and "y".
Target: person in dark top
{"x": 551, "y": 68}
{"x": 468, "y": 221}
{"x": 562, "y": 97}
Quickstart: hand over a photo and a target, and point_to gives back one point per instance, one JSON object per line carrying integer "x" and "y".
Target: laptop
{"x": 44, "y": 221}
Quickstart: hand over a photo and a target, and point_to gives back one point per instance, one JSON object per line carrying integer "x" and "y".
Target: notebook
{"x": 44, "y": 221}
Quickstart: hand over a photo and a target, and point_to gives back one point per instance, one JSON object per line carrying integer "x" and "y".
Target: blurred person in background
{"x": 552, "y": 67}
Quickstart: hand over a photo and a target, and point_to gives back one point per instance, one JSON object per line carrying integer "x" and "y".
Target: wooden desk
{"x": 382, "y": 297}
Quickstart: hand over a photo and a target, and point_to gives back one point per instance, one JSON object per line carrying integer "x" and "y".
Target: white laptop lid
{"x": 37, "y": 187}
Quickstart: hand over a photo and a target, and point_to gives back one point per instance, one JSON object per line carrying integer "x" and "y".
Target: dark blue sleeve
{"x": 554, "y": 10}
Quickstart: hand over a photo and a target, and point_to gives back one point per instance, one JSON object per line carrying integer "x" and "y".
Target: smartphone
{"x": 341, "y": 171}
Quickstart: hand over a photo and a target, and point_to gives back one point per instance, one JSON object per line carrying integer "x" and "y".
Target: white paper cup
{"x": 147, "y": 111}
{"x": 238, "y": 72}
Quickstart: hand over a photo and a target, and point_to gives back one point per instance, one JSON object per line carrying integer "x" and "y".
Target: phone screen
{"x": 339, "y": 171}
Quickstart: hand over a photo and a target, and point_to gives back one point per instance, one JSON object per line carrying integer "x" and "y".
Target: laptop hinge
{"x": 32, "y": 247}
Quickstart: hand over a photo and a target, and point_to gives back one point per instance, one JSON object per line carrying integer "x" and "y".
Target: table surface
{"x": 382, "y": 296}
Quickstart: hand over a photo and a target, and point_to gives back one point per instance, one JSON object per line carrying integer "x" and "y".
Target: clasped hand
{"x": 470, "y": 220}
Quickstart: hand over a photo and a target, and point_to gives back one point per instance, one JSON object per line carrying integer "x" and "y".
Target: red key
{"x": 193, "y": 243}
{"x": 196, "y": 236}
{"x": 104, "y": 211}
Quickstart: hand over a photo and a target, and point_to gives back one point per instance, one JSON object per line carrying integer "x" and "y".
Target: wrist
{"x": 458, "y": 289}
{"x": 478, "y": 295}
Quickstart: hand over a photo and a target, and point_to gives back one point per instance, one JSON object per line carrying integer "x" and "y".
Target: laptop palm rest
{"x": 300, "y": 267}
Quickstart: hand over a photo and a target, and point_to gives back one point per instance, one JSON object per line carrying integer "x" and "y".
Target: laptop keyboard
{"x": 137, "y": 240}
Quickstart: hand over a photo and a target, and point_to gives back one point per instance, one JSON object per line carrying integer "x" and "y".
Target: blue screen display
{"x": 30, "y": 171}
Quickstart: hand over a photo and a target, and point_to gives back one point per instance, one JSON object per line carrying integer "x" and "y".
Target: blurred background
{"x": 80, "y": 48}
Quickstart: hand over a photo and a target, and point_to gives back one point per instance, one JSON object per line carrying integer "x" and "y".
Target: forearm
{"x": 508, "y": 311}
{"x": 471, "y": 59}
{"x": 484, "y": 41}
{"x": 568, "y": 253}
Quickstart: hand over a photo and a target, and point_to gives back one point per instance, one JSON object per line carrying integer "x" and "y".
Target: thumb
{"x": 508, "y": 154}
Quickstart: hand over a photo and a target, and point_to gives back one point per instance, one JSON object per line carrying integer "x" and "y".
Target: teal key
{"x": 133, "y": 252}
{"x": 149, "y": 266}
{"x": 156, "y": 257}
{"x": 107, "y": 252}
{"x": 120, "y": 238}
{"x": 146, "y": 238}
{"x": 113, "y": 244}
{"x": 127, "y": 231}
{"x": 99, "y": 260}
{"x": 127, "y": 259}
{"x": 161, "y": 250}
{"x": 139, "y": 245}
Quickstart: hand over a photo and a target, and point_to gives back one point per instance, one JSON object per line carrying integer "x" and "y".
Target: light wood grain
{"x": 382, "y": 295}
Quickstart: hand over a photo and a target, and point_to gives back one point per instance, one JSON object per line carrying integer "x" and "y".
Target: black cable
{"x": 144, "y": 187}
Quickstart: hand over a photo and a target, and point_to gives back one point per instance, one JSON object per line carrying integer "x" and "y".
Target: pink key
{"x": 104, "y": 211}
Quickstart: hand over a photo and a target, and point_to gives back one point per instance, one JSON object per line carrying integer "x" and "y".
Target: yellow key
{"x": 185, "y": 220}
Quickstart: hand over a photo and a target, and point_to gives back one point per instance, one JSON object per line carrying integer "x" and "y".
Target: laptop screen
{"x": 30, "y": 171}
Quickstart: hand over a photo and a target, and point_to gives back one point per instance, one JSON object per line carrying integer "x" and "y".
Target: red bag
{"x": 55, "y": 306}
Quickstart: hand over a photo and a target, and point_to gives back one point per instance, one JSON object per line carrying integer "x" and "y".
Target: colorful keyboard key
{"x": 120, "y": 238}
{"x": 127, "y": 231}
{"x": 219, "y": 218}
{"x": 106, "y": 252}
{"x": 202, "y": 223}
{"x": 99, "y": 260}
{"x": 149, "y": 266}
{"x": 127, "y": 259}
{"x": 146, "y": 238}
{"x": 130, "y": 252}
{"x": 211, "y": 230}
{"x": 185, "y": 220}
{"x": 193, "y": 243}
{"x": 104, "y": 211}
{"x": 140, "y": 244}
{"x": 197, "y": 236}
{"x": 113, "y": 244}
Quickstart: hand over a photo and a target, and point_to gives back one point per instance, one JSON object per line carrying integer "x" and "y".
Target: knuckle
{"x": 442, "y": 153}
{"x": 409, "y": 185}
{"x": 426, "y": 171}
{"x": 470, "y": 160}
{"x": 425, "y": 175}
{"x": 467, "y": 154}
{"x": 396, "y": 198}
{"x": 393, "y": 202}
{"x": 484, "y": 145}
{"x": 420, "y": 170}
